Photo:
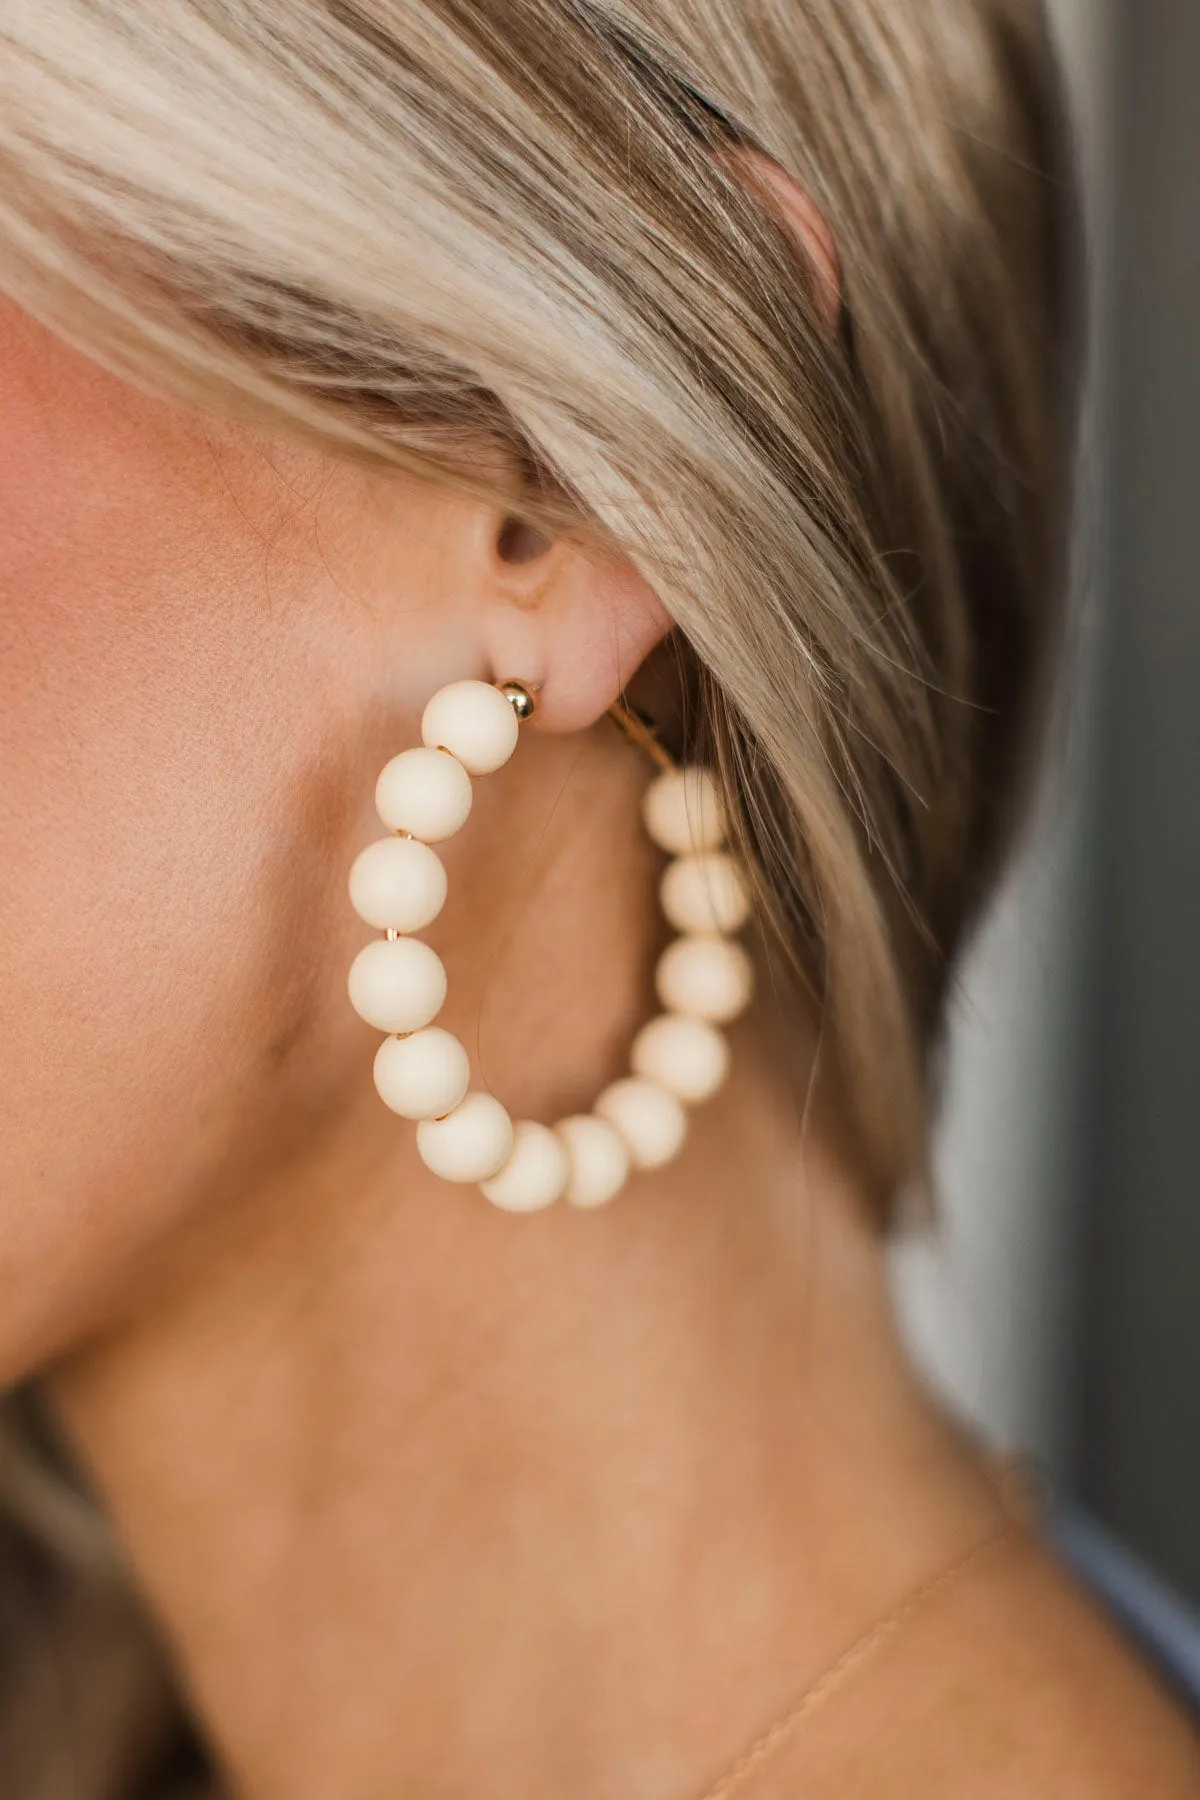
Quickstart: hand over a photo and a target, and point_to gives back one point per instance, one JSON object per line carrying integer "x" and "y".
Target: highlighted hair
{"x": 415, "y": 229}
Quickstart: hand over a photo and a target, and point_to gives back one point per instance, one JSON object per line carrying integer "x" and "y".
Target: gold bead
{"x": 519, "y": 698}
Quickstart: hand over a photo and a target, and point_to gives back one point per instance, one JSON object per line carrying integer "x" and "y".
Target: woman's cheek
{"x": 153, "y": 776}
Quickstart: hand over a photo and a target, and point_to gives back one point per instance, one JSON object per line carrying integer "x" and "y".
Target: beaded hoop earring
{"x": 398, "y": 984}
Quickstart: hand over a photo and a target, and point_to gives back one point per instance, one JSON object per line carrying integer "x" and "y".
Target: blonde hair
{"x": 412, "y": 228}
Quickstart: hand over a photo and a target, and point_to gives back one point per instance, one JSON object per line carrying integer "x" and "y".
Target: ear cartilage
{"x": 398, "y": 984}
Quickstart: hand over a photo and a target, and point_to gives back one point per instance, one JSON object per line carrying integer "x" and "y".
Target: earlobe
{"x": 576, "y": 622}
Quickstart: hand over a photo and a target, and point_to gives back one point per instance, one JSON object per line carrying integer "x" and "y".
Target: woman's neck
{"x": 436, "y": 1501}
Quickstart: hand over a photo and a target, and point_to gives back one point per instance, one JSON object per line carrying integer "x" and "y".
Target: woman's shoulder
{"x": 1013, "y": 1686}
{"x": 1162, "y": 1623}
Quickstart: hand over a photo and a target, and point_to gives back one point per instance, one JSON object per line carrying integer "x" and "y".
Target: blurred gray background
{"x": 1059, "y": 1301}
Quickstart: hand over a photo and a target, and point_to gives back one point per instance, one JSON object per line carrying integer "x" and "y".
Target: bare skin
{"x": 432, "y": 1501}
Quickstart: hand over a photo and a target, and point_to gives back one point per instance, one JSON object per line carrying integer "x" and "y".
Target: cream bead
{"x": 426, "y": 793}
{"x": 683, "y": 813}
{"x": 705, "y": 978}
{"x": 472, "y": 1144}
{"x": 688, "y": 1057}
{"x": 536, "y": 1173}
{"x": 398, "y": 884}
{"x": 600, "y": 1160}
{"x": 705, "y": 893}
{"x": 424, "y": 1076}
{"x": 652, "y": 1121}
{"x": 474, "y": 722}
{"x": 397, "y": 986}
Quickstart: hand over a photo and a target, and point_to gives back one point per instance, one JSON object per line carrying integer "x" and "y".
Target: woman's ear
{"x": 802, "y": 217}
{"x": 577, "y": 621}
{"x": 574, "y": 620}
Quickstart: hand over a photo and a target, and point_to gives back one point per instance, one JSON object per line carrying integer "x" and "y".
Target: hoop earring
{"x": 398, "y": 984}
